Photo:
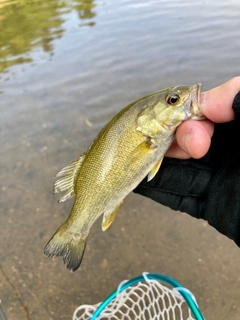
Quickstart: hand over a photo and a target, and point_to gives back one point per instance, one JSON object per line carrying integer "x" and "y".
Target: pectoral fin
{"x": 154, "y": 170}
{"x": 141, "y": 151}
{"x": 70, "y": 174}
{"x": 109, "y": 217}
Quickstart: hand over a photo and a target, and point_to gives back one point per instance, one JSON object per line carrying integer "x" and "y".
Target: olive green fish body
{"x": 116, "y": 162}
{"x": 130, "y": 147}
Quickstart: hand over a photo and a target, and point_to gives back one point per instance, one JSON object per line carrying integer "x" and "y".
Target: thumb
{"x": 216, "y": 104}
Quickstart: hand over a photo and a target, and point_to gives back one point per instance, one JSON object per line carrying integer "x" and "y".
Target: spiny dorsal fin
{"x": 154, "y": 170}
{"x": 109, "y": 217}
{"x": 69, "y": 174}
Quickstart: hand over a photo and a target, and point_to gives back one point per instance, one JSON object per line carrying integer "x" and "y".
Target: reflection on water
{"x": 85, "y": 10}
{"x": 28, "y": 25}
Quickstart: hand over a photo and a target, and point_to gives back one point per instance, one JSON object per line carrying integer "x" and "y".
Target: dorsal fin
{"x": 69, "y": 174}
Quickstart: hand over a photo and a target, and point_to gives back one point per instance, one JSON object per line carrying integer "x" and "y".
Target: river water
{"x": 66, "y": 67}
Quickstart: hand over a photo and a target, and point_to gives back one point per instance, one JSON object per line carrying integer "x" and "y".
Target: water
{"x": 66, "y": 68}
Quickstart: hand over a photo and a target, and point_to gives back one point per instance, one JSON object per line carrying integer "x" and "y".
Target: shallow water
{"x": 66, "y": 68}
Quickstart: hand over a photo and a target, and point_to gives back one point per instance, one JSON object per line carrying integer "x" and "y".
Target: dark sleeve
{"x": 207, "y": 188}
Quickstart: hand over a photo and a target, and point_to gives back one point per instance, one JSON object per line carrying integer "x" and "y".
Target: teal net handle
{"x": 152, "y": 276}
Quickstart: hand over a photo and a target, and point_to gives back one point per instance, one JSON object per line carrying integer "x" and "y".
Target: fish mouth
{"x": 194, "y": 110}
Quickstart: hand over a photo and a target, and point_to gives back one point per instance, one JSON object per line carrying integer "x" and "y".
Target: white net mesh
{"x": 144, "y": 300}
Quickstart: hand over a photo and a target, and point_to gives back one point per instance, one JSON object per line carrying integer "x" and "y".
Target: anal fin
{"x": 154, "y": 170}
{"x": 109, "y": 217}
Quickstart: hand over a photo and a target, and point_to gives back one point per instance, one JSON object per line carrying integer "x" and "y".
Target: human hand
{"x": 193, "y": 138}
{"x": 208, "y": 186}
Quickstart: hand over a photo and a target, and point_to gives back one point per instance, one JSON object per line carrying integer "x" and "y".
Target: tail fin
{"x": 68, "y": 245}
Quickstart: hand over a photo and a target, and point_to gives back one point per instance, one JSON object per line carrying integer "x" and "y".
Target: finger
{"x": 193, "y": 139}
{"x": 176, "y": 152}
{"x": 216, "y": 104}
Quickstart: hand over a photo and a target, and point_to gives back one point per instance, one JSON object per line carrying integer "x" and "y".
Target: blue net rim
{"x": 186, "y": 294}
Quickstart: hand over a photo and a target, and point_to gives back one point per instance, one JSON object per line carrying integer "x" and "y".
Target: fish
{"x": 129, "y": 148}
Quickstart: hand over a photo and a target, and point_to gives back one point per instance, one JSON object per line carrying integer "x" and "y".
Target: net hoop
{"x": 178, "y": 291}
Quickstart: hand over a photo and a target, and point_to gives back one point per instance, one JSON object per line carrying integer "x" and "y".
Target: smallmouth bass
{"x": 129, "y": 147}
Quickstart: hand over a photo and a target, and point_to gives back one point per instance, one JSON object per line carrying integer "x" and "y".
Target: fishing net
{"x": 145, "y": 298}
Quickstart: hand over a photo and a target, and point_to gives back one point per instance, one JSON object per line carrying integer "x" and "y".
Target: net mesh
{"x": 144, "y": 300}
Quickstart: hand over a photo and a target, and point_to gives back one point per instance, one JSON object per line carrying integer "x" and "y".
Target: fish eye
{"x": 173, "y": 99}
